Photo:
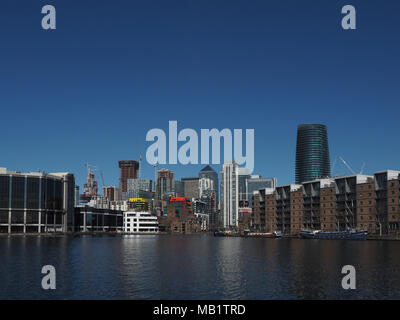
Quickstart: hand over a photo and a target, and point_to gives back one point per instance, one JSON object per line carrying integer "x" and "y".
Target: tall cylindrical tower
{"x": 312, "y": 153}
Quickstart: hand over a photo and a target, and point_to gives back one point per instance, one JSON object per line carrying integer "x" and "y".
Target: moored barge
{"x": 334, "y": 235}
{"x": 262, "y": 234}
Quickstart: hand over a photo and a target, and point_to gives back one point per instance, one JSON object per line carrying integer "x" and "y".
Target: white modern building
{"x": 230, "y": 194}
{"x": 119, "y": 205}
{"x": 140, "y": 222}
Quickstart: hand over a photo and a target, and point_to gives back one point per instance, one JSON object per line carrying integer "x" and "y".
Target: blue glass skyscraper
{"x": 312, "y": 153}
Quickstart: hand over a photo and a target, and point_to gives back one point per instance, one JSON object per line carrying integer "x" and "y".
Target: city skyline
{"x": 86, "y": 83}
{"x": 340, "y": 169}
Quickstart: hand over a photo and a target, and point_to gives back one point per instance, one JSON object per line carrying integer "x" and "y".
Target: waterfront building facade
{"x": 387, "y": 204}
{"x": 245, "y": 215}
{"x": 36, "y": 202}
{"x": 180, "y": 217}
{"x": 255, "y": 183}
{"x": 140, "y": 222}
{"x": 92, "y": 219}
{"x": 312, "y": 153}
{"x": 333, "y": 204}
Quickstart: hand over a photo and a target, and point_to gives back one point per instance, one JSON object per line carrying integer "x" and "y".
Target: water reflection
{"x": 196, "y": 267}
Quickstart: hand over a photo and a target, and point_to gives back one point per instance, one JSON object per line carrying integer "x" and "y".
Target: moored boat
{"x": 275, "y": 234}
{"x": 334, "y": 235}
{"x": 226, "y": 233}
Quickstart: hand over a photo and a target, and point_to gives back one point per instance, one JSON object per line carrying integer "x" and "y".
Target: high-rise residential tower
{"x": 165, "y": 183}
{"x": 230, "y": 194}
{"x": 110, "y": 192}
{"x": 312, "y": 153}
{"x": 128, "y": 169}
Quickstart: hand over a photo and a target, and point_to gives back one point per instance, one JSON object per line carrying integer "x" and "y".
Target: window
{"x": 4, "y": 192}
{"x": 18, "y": 192}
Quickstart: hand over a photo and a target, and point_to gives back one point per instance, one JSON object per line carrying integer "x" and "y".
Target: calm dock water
{"x": 196, "y": 267}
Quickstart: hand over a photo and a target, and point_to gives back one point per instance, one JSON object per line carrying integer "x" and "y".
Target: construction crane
{"x": 90, "y": 168}
{"x": 90, "y": 187}
{"x": 102, "y": 178}
{"x": 362, "y": 168}
{"x": 347, "y": 165}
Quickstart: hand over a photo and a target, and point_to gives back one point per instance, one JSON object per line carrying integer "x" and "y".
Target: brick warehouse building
{"x": 180, "y": 217}
{"x": 331, "y": 204}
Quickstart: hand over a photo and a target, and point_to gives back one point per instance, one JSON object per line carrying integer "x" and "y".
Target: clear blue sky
{"x": 112, "y": 70}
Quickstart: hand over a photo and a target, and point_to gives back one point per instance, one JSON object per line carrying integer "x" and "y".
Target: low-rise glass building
{"x": 36, "y": 202}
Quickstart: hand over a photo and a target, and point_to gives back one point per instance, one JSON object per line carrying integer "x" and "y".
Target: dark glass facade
{"x": 312, "y": 153}
{"x": 89, "y": 219}
{"x": 35, "y": 203}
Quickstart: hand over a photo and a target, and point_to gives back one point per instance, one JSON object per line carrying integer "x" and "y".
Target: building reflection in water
{"x": 196, "y": 267}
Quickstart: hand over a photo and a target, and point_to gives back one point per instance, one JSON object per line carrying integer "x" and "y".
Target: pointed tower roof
{"x": 207, "y": 168}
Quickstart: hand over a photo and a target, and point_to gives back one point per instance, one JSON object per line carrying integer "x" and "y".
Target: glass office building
{"x": 312, "y": 153}
{"x": 36, "y": 202}
{"x": 258, "y": 183}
